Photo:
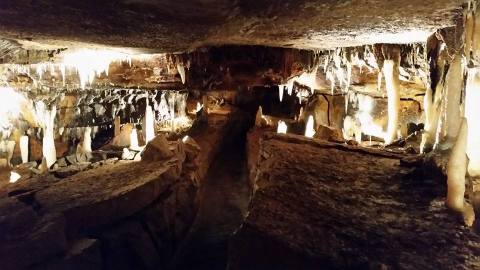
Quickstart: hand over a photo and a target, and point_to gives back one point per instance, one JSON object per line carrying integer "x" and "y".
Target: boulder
{"x": 157, "y": 149}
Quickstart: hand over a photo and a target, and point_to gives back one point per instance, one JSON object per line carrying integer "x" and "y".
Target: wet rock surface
{"x": 331, "y": 206}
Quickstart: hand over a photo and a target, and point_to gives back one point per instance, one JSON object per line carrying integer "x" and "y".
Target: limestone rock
{"x": 340, "y": 207}
{"x": 157, "y": 149}
{"x": 328, "y": 134}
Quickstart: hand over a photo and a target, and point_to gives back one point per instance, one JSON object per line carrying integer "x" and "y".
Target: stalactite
{"x": 432, "y": 113}
{"x": 476, "y": 36}
{"x": 454, "y": 83}
{"x": 181, "y": 71}
{"x": 469, "y": 27}
{"x": 390, "y": 71}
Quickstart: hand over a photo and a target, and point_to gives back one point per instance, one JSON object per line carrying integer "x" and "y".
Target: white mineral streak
{"x": 390, "y": 71}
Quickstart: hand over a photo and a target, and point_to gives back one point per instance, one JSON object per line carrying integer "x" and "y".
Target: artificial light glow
{"x": 14, "y": 177}
{"x": 309, "y": 130}
{"x": 368, "y": 127}
{"x": 185, "y": 139}
{"x": 91, "y": 63}
{"x": 282, "y": 127}
{"x": 10, "y": 106}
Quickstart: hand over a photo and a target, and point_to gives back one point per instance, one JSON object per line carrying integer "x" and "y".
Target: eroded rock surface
{"x": 333, "y": 206}
{"x": 125, "y": 215}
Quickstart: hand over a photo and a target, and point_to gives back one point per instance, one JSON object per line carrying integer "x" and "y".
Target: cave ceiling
{"x": 175, "y": 26}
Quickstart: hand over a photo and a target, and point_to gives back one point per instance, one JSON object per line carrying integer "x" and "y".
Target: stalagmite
{"x": 258, "y": 117}
{"x": 390, "y": 71}
{"x": 432, "y": 113}
{"x": 24, "y": 148}
{"x": 87, "y": 140}
{"x": 472, "y": 113}
{"x": 48, "y": 147}
{"x": 148, "y": 124}
{"x": 456, "y": 171}
{"x": 282, "y": 127}
{"x": 309, "y": 130}
{"x": 134, "y": 140}
{"x": 10, "y": 149}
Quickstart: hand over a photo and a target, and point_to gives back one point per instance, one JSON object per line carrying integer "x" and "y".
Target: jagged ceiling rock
{"x": 171, "y": 25}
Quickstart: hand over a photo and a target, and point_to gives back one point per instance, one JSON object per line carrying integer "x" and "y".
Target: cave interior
{"x": 217, "y": 134}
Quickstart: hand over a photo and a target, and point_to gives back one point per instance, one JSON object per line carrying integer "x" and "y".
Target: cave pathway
{"x": 223, "y": 201}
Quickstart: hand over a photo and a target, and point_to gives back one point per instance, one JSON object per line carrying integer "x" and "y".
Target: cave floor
{"x": 321, "y": 205}
{"x": 223, "y": 202}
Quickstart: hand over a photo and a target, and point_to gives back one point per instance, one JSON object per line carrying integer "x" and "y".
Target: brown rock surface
{"x": 176, "y": 26}
{"x": 331, "y": 206}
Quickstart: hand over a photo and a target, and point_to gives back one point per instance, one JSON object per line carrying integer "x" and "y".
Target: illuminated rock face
{"x": 472, "y": 113}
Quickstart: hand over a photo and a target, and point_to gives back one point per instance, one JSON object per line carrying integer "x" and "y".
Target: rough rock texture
{"x": 176, "y": 26}
{"x": 129, "y": 215}
{"x": 321, "y": 205}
